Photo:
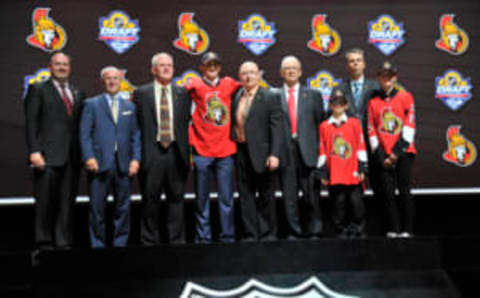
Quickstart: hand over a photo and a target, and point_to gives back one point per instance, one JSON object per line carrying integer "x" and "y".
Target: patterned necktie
{"x": 357, "y": 94}
{"x": 66, "y": 100}
{"x": 165, "y": 130}
{"x": 292, "y": 113}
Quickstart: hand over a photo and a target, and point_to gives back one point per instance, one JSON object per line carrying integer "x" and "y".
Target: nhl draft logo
{"x": 386, "y": 34}
{"x": 185, "y": 77}
{"x": 39, "y": 76}
{"x": 311, "y": 288}
{"x": 47, "y": 34}
{"x": 192, "y": 38}
{"x": 453, "y": 39}
{"x": 217, "y": 112}
{"x": 256, "y": 33}
{"x": 324, "y": 82}
{"x": 325, "y": 40}
{"x": 452, "y": 89}
{"x": 341, "y": 147}
{"x": 126, "y": 88}
{"x": 391, "y": 124}
{"x": 118, "y": 31}
{"x": 461, "y": 151}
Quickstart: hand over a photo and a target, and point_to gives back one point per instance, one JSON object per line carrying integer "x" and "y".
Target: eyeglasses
{"x": 212, "y": 63}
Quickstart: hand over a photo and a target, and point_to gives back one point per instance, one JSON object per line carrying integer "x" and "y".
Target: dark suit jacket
{"x": 369, "y": 88}
{"x": 263, "y": 127}
{"x": 144, "y": 100}
{"x": 310, "y": 114}
{"x": 99, "y": 133}
{"x": 49, "y": 128}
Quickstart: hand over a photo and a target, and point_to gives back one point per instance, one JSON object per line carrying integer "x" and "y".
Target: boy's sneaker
{"x": 393, "y": 235}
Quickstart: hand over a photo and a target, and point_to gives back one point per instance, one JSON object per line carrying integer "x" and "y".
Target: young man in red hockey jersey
{"x": 212, "y": 146}
{"x": 391, "y": 131}
{"x": 342, "y": 165}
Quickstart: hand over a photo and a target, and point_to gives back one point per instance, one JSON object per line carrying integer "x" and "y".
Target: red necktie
{"x": 66, "y": 100}
{"x": 291, "y": 111}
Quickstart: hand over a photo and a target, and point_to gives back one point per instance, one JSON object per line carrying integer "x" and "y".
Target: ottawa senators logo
{"x": 453, "y": 39}
{"x": 191, "y": 37}
{"x": 341, "y": 147}
{"x": 325, "y": 40}
{"x": 39, "y": 76}
{"x": 324, "y": 82}
{"x": 453, "y": 89}
{"x": 185, "y": 77}
{"x": 47, "y": 34}
{"x": 391, "y": 124}
{"x": 217, "y": 112}
{"x": 386, "y": 34}
{"x": 461, "y": 151}
{"x": 118, "y": 31}
{"x": 256, "y": 33}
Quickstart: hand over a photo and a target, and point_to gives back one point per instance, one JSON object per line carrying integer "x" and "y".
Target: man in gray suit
{"x": 303, "y": 112}
{"x": 358, "y": 90}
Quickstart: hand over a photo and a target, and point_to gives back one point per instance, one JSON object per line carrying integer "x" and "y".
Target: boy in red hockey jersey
{"x": 391, "y": 131}
{"x": 342, "y": 165}
{"x": 212, "y": 146}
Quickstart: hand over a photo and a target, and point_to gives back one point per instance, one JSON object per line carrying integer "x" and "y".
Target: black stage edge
{"x": 372, "y": 267}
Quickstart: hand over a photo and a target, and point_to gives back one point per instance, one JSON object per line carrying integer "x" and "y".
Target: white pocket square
{"x": 126, "y": 113}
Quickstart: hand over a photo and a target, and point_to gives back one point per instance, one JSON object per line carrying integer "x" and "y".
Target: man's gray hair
{"x": 290, "y": 57}
{"x": 354, "y": 51}
{"x": 109, "y": 68}
{"x": 158, "y": 55}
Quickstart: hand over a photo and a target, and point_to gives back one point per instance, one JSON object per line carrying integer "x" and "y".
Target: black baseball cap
{"x": 209, "y": 57}
{"x": 387, "y": 68}
{"x": 338, "y": 97}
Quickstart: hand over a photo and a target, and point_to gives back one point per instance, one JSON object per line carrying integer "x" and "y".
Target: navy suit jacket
{"x": 99, "y": 133}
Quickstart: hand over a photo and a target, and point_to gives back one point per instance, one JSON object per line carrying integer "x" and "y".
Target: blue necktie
{"x": 357, "y": 94}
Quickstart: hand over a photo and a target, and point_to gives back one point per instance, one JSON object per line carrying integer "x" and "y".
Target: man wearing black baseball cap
{"x": 212, "y": 146}
{"x": 391, "y": 131}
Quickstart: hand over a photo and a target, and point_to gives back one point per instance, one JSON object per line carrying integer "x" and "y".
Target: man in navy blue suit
{"x": 110, "y": 142}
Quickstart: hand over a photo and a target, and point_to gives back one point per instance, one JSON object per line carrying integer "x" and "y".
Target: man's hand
{"x": 361, "y": 177}
{"x": 37, "y": 160}
{"x": 324, "y": 181}
{"x": 92, "y": 165}
{"x": 272, "y": 163}
{"x": 134, "y": 167}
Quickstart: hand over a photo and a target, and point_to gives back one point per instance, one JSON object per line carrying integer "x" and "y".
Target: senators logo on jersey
{"x": 217, "y": 112}
{"x": 391, "y": 124}
{"x": 325, "y": 40}
{"x": 453, "y": 39}
{"x": 191, "y": 37}
{"x": 47, "y": 34}
{"x": 118, "y": 31}
{"x": 341, "y": 147}
{"x": 386, "y": 34}
{"x": 461, "y": 151}
{"x": 39, "y": 76}
{"x": 256, "y": 33}
{"x": 324, "y": 82}
{"x": 453, "y": 89}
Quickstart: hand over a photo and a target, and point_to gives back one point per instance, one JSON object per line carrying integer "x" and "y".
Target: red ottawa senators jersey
{"x": 210, "y": 129}
{"x": 342, "y": 150}
{"x": 391, "y": 123}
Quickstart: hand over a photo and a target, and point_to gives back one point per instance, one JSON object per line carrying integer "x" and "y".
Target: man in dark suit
{"x": 303, "y": 112}
{"x": 52, "y": 110}
{"x": 358, "y": 90}
{"x": 257, "y": 129}
{"x": 110, "y": 142}
{"x": 163, "y": 112}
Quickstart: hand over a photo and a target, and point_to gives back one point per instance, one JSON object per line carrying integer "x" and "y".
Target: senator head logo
{"x": 217, "y": 112}
{"x": 386, "y": 34}
{"x": 453, "y": 39}
{"x": 47, "y": 34}
{"x": 311, "y": 288}
{"x": 341, "y": 147}
{"x": 256, "y": 33}
{"x": 324, "y": 82}
{"x": 325, "y": 40}
{"x": 461, "y": 151}
{"x": 191, "y": 37}
{"x": 118, "y": 31}
{"x": 41, "y": 75}
{"x": 391, "y": 124}
{"x": 453, "y": 89}
{"x": 185, "y": 77}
